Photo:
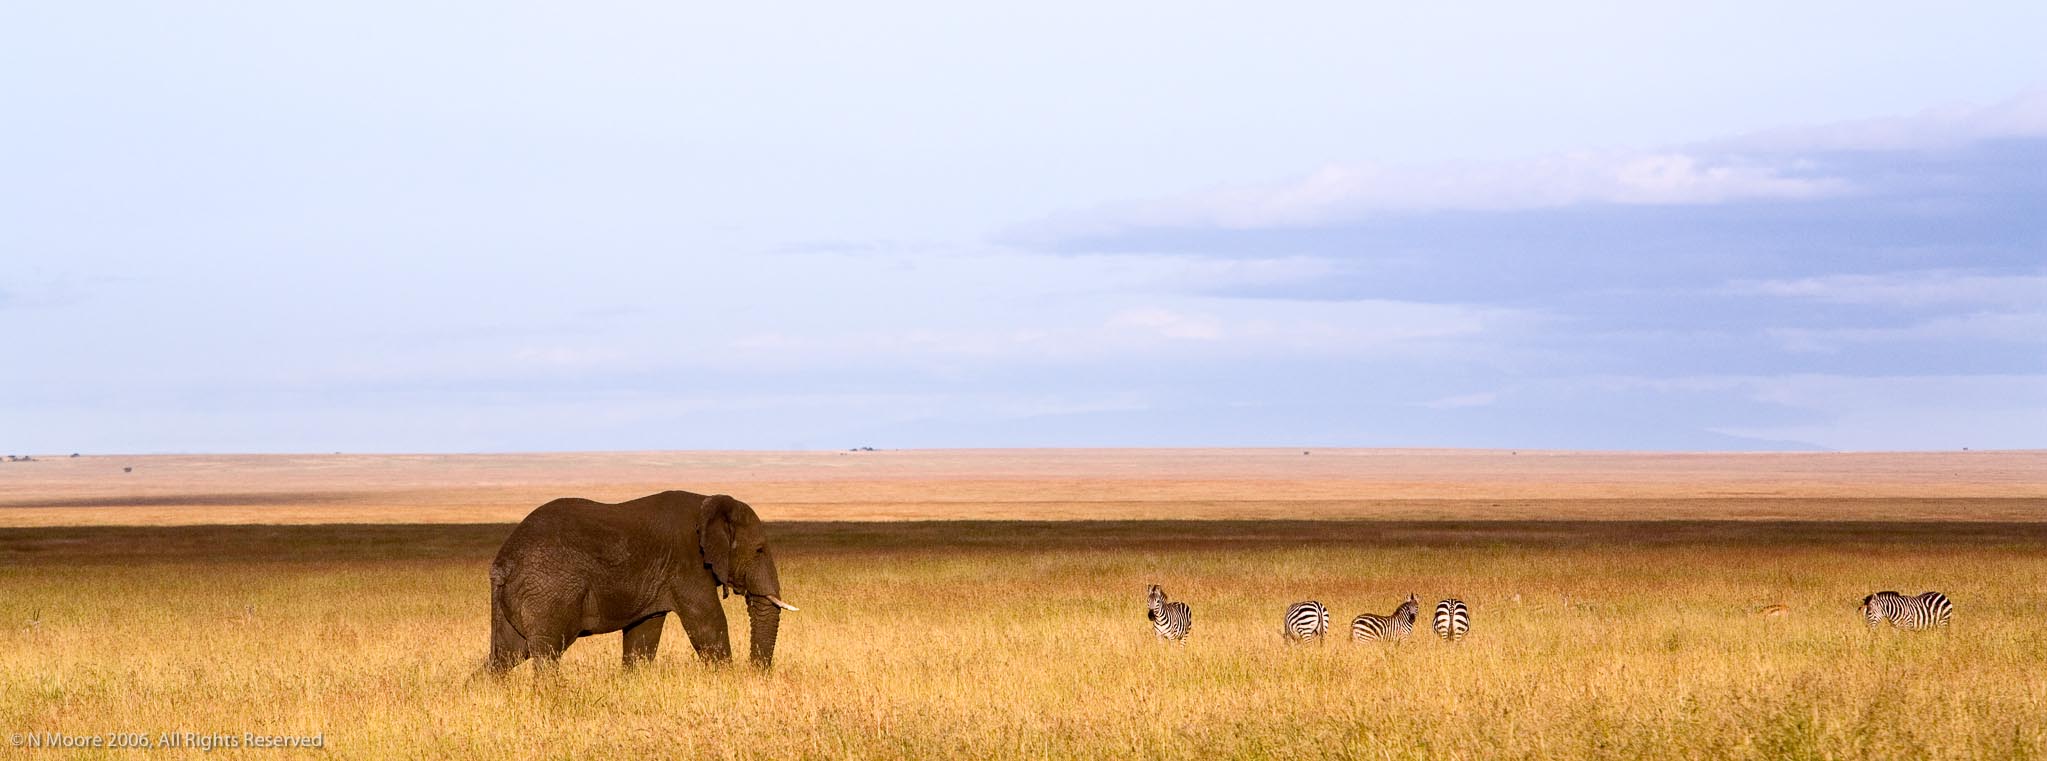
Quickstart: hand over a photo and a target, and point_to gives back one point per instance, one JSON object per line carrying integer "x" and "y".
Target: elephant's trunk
{"x": 766, "y": 620}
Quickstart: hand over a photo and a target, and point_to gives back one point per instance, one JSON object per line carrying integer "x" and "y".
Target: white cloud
{"x": 1194, "y": 273}
{"x": 1196, "y": 328}
{"x": 2015, "y": 327}
{"x": 1769, "y": 166}
{"x": 1355, "y": 190}
{"x": 1167, "y": 323}
{"x": 1908, "y": 289}
{"x": 2021, "y": 116}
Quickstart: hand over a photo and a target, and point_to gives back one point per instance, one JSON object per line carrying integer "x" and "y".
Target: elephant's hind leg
{"x": 504, "y": 656}
{"x": 642, "y": 639}
{"x": 546, "y": 650}
{"x": 550, "y": 623}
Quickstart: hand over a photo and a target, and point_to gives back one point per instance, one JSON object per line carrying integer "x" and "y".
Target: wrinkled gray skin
{"x": 575, "y": 568}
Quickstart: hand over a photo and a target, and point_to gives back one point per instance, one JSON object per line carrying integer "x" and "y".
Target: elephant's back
{"x": 539, "y": 534}
{"x": 588, "y": 535}
{"x": 578, "y": 508}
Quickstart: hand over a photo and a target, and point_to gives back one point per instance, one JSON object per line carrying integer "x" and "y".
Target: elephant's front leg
{"x": 642, "y": 639}
{"x": 704, "y": 619}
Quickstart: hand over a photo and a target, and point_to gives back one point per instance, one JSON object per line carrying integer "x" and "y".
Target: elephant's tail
{"x": 507, "y": 643}
{"x": 500, "y": 616}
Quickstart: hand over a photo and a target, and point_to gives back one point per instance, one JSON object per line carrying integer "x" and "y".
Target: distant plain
{"x": 1075, "y": 484}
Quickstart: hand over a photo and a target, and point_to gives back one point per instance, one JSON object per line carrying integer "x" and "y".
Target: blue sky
{"x": 384, "y": 227}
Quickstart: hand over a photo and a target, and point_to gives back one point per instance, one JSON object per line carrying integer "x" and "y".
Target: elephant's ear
{"x": 730, "y": 536}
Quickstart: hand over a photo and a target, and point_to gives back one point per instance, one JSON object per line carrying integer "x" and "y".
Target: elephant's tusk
{"x": 779, "y": 604}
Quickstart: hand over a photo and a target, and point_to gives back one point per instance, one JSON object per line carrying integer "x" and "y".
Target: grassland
{"x": 988, "y": 603}
{"x": 977, "y": 639}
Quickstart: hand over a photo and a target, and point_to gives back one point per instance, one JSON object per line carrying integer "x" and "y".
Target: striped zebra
{"x": 1922, "y": 612}
{"x": 1453, "y": 619}
{"x": 1305, "y": 622}
{"x": 1172, "y": 620}
{"x": 1367, "y": 627}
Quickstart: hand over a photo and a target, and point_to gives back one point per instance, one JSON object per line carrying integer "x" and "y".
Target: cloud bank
{"x": 1789, "y": 165}
{"x": 1899, "y": 262}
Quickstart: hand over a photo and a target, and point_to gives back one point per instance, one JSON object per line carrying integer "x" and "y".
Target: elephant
{"x": 575, "y": 568}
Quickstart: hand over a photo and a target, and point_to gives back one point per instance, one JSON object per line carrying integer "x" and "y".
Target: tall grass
{"x": 989, "y": 647}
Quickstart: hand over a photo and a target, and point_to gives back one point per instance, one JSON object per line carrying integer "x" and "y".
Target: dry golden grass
{"x": 1115, "y": 484}
{"x": 973, "y": 640}
{"x": 1595, "y": 634}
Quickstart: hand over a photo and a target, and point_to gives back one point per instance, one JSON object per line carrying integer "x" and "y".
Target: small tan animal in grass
{"x": 1777, "y": 610}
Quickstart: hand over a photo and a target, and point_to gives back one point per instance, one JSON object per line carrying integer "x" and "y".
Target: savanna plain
{"x": 990, "y": 604}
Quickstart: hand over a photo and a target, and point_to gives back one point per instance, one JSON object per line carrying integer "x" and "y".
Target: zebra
{"x": 1453, "y": 619}
{"x": 1922, "y": 612}
{"x": 1367, "y": 627}
{"x": 1172, "y": 620}
{"x": 1305, "y": 622}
